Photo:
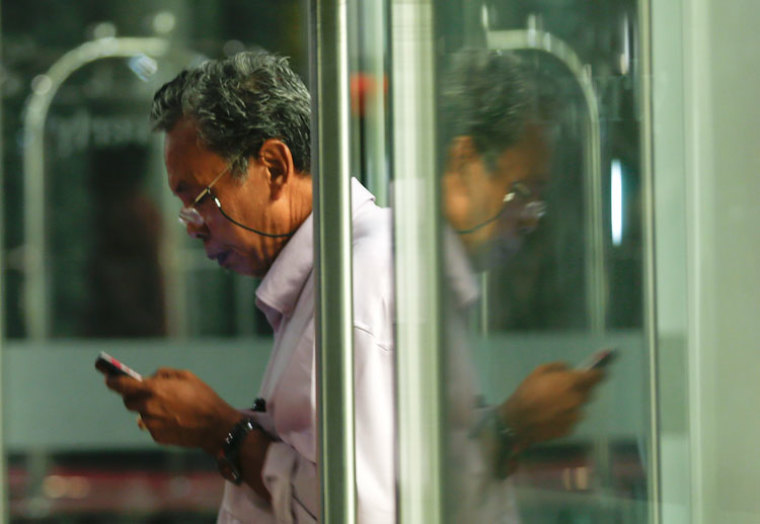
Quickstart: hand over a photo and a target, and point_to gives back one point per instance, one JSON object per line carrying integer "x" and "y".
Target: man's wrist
{"x": 500, "y": 440}
{"x": 229, "y": 455}
{"x": 219, "y": 430}
{"x": 507, "y": 445}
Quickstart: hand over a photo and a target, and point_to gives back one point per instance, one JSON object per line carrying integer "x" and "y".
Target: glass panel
{"x": 543, "y": 184}
{"x": 93, "y": 251}
{"x": 421, "y": 402}
{"x": 706, "y": 123}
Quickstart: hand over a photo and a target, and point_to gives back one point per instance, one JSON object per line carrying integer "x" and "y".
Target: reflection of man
{"x": 237, "y": 154}
{"x": 496, "y": 167}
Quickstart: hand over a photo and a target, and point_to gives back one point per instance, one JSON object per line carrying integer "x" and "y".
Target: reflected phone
{"x": 109, "y": 365}
{"x": 599, "y": 359}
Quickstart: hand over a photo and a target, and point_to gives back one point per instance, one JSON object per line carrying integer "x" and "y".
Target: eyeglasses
{"x": 190, "y": 215}
{"x": 531, "y": 211}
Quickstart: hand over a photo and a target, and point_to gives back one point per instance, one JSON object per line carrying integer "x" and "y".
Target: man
{"x": 237, "y": 153}
{"x": 497, "y": 164}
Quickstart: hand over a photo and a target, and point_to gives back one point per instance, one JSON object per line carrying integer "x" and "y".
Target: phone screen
{"x": 600, "y": 359}
{"x": 109, "y": 365}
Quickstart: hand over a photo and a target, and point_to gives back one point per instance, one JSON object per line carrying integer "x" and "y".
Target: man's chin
{"x": 237, "y": 265}
{"x": 248, "y": 270}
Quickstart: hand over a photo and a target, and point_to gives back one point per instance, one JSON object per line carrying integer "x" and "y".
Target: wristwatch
{"x": 228, "y": 458}
{"x": 506, "y": 456}
{"x": 501, "y": 441}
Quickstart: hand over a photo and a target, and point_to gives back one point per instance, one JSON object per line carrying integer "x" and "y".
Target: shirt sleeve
{"x": 292, "y": 479}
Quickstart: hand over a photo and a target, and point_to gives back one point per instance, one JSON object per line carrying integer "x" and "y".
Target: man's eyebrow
{"x": 180, "y": 188}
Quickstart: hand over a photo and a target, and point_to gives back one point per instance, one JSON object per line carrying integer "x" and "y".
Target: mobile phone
{"x": 108, "y": 365}
{"x": 600, "y": 359}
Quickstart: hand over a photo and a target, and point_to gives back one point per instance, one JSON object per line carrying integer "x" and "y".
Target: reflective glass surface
{"x": 548, "y": 93}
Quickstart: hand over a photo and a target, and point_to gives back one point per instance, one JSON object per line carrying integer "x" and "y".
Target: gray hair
{"x": 490, "y": 97}
{"x": 237, "y": 104}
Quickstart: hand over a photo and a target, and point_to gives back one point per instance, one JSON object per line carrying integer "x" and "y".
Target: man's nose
{"x": 531, "y": 215}
{"x": 197, "y": 232}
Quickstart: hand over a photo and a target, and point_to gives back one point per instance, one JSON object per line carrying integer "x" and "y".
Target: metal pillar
{"x": 332, "y": 256}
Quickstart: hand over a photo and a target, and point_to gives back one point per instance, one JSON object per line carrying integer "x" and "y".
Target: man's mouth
{"x": 221, "y": 258}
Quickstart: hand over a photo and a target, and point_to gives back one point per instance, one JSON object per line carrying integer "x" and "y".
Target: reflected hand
{"x": 548, "y": 403}
{"x": 178, "y": 408}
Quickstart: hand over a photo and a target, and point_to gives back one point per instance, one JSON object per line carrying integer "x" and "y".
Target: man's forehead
{"x": 187, "y": 160}
{"x": 181, "y": 140}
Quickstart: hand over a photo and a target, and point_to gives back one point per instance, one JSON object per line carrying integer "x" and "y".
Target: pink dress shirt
{"x": 286, "y": 296}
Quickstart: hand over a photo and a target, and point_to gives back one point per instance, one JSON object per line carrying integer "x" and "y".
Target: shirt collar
{"x": 278, "y": 292}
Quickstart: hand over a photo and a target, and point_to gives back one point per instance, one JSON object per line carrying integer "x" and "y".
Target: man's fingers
{"x": 551, "y": 367}
{"x": 125, "y": 385}
{"x": 585, "y": 380}
{"x": 134, "y": 392}
{"x": 170, "y": 373}
{"x": 135, "y": 402}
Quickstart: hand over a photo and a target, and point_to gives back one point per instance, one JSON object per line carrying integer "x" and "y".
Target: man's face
{"x": 475, "y": 195}
{"x": 191, "y": 167}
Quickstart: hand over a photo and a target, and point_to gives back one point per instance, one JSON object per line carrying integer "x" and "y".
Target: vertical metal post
{"x": 420, "y": 362}
{"x": 3, "y": 468}
{"x": 332, "y": 256}
{"x": 650, "y": 290}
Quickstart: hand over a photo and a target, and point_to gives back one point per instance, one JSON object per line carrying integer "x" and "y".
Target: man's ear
{"x": 276, "y": 158}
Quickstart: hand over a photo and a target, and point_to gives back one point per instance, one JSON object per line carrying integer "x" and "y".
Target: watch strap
{"x": 228, "y": 458}
{"x": 506, "y": 457}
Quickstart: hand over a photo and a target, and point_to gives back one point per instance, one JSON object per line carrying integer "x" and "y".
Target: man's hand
{"x": 178, "y": 408}
{"x": 547, "y": 404}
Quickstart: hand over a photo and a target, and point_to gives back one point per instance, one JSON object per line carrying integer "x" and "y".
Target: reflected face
{"x": 475, "y": 195}
{"x": 191, "y": 168}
